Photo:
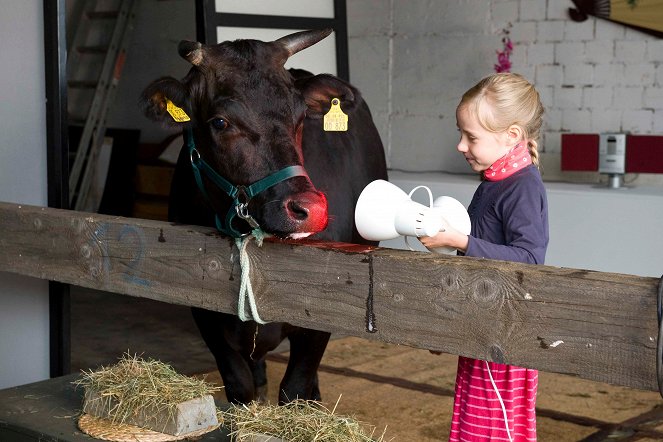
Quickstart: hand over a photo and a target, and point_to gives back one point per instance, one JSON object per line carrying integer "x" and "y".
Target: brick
{"x": 574, "y": 31}
{"x": 504, "y": 12}
{"x": 579, "y": 74}
{"x": 558, "y": 10}
{"x": 524, "y": 32}
{"x": 550, "y": 31}
{"x": 654, "y": 51}
{"x": 607, "y": 30}
{"x": 630, "y": 51}
{"x": 628, "y": 97}
{"x": 599, "y": 51}
{"x": 639, "y": 74}
{"x": 569, "y": 52}
{"x": 638, "y": 121}
{"x": 553, "y": 119}
{"x": 532, "y": 10}
{"x": 608, "y": 74}
{"x": 369, "y": 17}
{"x": 540, "y": 53}
{"x": 568, "y": 98}
{"x": 549, "y": 75}
{"x": 576, "y": 120}
{"x": 193, "y": 415}
{"x": 597, "y": 98}
{"x": 606, "y": 120}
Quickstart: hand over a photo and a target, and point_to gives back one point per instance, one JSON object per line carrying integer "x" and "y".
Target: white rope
{"x": 245, "y": 289}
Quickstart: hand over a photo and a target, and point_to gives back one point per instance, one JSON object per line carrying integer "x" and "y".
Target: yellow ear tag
{"x": 177, "y": 113}
{"x": 335, "y": 120}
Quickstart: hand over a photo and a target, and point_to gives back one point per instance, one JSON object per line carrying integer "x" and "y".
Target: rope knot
{"x": 245, "y": 288}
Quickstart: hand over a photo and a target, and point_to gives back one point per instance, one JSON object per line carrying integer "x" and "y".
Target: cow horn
{"x": 294, "y": 43}
{"x": 191, "y": 51}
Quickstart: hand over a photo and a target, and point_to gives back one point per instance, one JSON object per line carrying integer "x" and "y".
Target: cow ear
{"x": 165, "y": 100}
{"x": 319, "y": 90}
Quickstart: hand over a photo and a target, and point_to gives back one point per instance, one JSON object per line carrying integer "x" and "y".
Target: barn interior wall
{"x": 414, "y": 59}
{"x": 24, "y": 350}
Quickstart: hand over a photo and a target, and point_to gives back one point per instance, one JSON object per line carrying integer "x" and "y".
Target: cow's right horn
{"x": 294, "y": 43}
{"x": 191, "y": 51}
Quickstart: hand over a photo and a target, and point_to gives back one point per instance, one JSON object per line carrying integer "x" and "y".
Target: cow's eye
{"x": 219, "y": 123}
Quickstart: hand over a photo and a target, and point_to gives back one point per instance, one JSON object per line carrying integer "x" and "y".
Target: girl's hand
{"x": 447, "y": 238}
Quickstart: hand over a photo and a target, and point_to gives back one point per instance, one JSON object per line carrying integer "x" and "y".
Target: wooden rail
{"x": 595, "y": 325}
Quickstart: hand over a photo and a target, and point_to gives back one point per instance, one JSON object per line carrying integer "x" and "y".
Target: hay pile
{"x": 136, "y": 386}
{"x": 298, "y": 421}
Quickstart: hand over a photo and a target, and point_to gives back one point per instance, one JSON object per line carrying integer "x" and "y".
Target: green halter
{"x": 241, "y": 195}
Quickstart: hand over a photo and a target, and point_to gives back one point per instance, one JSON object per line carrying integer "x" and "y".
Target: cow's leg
{"x": 301, "y": 377}
{"x": 259, "y": 371}
{"x": 236, "y": 372}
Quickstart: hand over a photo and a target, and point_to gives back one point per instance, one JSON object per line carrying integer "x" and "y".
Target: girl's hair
{"x": 502, "y": 100}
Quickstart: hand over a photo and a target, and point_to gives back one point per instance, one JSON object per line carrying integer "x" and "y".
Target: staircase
{"x": 96, "y": 56}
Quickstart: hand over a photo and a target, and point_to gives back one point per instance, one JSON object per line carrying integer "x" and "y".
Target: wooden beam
{"x": 595, "y": 325}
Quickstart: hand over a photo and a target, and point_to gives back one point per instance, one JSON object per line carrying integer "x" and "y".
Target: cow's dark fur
{"x": 272, "y": 118}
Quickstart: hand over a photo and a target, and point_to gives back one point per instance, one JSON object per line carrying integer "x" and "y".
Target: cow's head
{"x": 246, "y": 116}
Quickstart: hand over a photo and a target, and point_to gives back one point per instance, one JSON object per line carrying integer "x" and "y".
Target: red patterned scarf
{"x": 514, "y": 160}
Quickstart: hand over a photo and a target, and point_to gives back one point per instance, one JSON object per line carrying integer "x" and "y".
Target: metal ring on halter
{"x": 659, "y": 343}
{"x": 191, "y": 152}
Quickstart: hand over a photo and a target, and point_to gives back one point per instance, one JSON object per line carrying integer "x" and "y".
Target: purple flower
{"x": 503, "y": 57}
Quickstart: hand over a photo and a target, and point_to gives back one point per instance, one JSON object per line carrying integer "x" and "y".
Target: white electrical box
{"x": 612, "y": 153}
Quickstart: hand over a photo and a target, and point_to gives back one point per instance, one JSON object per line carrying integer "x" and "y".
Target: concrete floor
{"x": 104, "y": 326}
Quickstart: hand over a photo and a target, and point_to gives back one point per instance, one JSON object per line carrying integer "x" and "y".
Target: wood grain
{"x": 595, "y": 325}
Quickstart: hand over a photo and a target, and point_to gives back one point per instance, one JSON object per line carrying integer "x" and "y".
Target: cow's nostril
{"x": 297, "y": 211}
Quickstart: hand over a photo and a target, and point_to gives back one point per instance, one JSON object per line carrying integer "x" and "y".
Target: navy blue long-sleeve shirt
{"x": 510, "y": 219}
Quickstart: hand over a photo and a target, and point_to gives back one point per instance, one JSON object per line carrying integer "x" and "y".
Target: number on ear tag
{"x": 335, "y": 120}
{"x": 177, "y": 113}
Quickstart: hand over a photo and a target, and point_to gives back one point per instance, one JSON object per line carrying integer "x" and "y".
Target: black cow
{"x": 250, "y": 119}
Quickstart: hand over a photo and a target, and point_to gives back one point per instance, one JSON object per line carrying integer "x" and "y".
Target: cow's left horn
{"x": 191, "y": 51}
{"x": 302, "y": 40}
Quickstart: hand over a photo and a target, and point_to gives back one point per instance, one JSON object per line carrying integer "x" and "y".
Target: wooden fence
{"x": 595, "y": 325}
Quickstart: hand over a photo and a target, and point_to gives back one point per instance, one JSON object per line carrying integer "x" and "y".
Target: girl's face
{"x": 480, "y": 147}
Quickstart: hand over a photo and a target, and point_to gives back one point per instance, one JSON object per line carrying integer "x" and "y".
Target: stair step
{"x": 82, "y": 84}
{"x": 102, "y": 15}
{"x": 92, "y": 49}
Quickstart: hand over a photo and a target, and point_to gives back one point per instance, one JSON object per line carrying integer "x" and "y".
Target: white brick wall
{"x": 593, "y": 76}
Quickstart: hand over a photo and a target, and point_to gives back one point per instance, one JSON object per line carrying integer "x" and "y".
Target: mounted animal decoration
{"x": 257, "y": 155}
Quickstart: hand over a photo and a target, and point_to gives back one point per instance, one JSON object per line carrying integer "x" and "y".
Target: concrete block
{"x": 546, "y": 95}
{"x": 430, "y": 73}
{"x": 628, "y": 97}
{"x": 608, "y": 74}
{"x": 576, "y": 120}
{"x": 607, "y": 30}
{"x": 597, "y": 97}
{"x": 657, "y": 127}
{"x": 532, "y": 10}
{"x": 558, "y": 10}
{"x": 599, "y": 51}
{"x": 549, "y": 75}
{"x": 193, "y": 415}
{"x": 654, "y": 51}
{"x": 659, "y": 74}
{"x": 579, "y": 74}
{"x": 369, "y": 69}
{"x": 422, "y": 17}
{"x": 550, "y": 31}
{"x": 368, "y": 18}
{"x": 523, "y": 32}
{"x": 630, "y": 51}
{"x": 551, "y": 144}
{"x": 638, "y": 121}
{"x": 503, "y": 13}
{"x": 540, "y": 53}
{"x": 605, "y": 120}
{"x": 574, "y": 31}
{"x": 570, "y": 53}
{"x": 568, "y": 97}
{"x": 640, "y": 74}
{"x": 552, "y": 119}
{"x": 653, "y": 97}
{"x": 433, "y": 140}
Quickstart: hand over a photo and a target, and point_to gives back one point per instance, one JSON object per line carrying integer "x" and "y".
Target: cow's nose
{"x": 308, "y": 211}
